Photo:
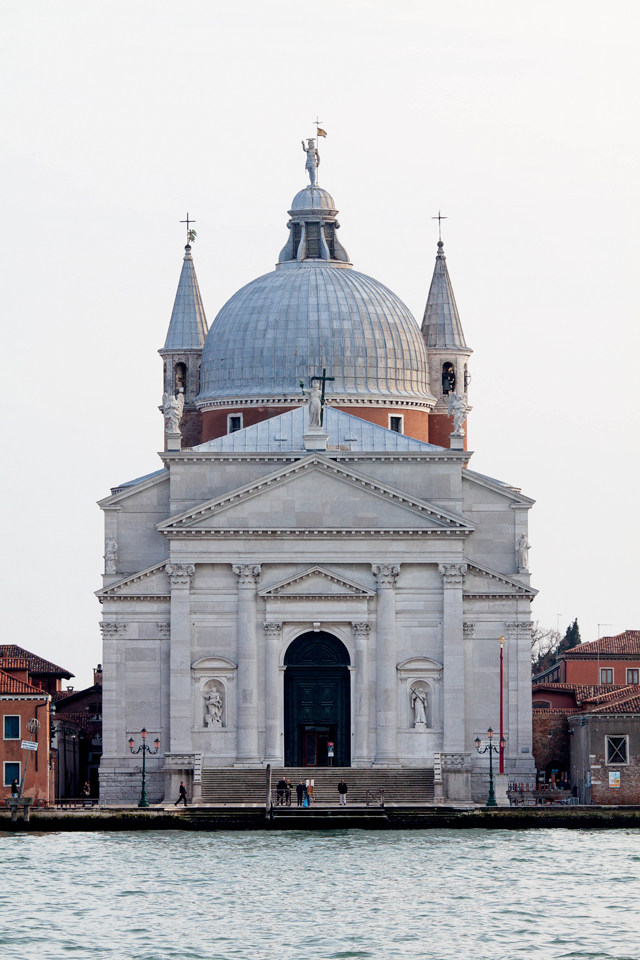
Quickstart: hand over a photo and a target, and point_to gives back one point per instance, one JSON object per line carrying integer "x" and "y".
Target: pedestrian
{"x": 310, "y": 784}
{"x": 342, "y": 793}
{"x": 287, "y": 791}
{"x": 183, "y": 795}
{"x": 281, "y": 788}
{"x": 15, "y": 789}
{"x": 86, "y": 790}
{"x": 300, "y": 792}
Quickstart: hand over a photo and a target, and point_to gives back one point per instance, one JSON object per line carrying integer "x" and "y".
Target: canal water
{"x": 330, "y": 895}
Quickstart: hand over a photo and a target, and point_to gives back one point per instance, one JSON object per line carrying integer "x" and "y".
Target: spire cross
{"x": 439, "y": 218}
{"x": 188, "y": 221}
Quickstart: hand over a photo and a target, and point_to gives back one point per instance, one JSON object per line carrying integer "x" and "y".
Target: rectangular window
{"x": 617, "y": 749}
{"x": 633, "y": 676}
{"x": 11, "y": 772}
{"x": 396, "y": 424}
{"x": 234, "y": 422}
{"x": 313, "y": 241}
{"x": 606, "y": 675}
{"x": 12, "y": 728}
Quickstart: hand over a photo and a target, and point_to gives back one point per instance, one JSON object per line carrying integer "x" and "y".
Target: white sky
{"x": 518, "y": 121}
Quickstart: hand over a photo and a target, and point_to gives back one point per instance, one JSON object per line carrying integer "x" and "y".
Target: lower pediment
{"x": 316, "y": 583}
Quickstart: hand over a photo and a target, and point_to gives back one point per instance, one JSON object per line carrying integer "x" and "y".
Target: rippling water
{"x": 321, "y": 896}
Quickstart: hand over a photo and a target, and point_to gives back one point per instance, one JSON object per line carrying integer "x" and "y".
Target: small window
{"x": 633, "y": 676}
{"x": 541, "y": 705}
{"x": 11, "y": 772}
{"x": 181, "y": 378}
{"x": 313, "y": 240}
{"x": 12, "y": 728}
{"x": 617, "y": 749}
{"x": 234, "y": 422}
{"x": 448, "y": 378}
{"x": 606, "y": 675}
{"x": 396, "y": 424}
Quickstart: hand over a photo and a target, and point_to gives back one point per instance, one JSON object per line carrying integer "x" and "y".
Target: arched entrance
{"x": 317, "y": 702}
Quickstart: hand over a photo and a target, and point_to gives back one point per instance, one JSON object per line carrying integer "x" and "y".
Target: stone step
{"x": 231, "y": 785}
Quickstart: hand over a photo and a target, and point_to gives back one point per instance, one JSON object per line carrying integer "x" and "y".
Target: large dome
{"x": 304, "y": 316}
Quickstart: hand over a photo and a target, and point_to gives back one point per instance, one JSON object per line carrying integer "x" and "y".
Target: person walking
{"x": 342, "y": 793}
{"x": 183, "y": 795}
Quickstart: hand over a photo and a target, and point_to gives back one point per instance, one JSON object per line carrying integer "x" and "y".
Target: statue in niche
{"x": 213, "y": 706}
{"x": 173, "y": 408}
{"x": 110, "y": 555}
{"x": 457, "y": 408}
{"x": 522, "y": 552}
{"x": 313, "y": 159}
{"x": 419, "y": 706}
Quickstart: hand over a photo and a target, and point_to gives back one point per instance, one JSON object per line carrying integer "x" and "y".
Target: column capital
{"x": 468, "y": 628}
{"x": 111, "y": 630}
{"x": 516, "y": 630}
{"x": 164, "y": 629}
{"x": 386, "y": 573}
{"x": 248, "y": 574}
{"x": 361, "y": 629}
{"x": 272, "y": 629}
{"x": 180, "y": 574}
{"x": 452, "y": 573}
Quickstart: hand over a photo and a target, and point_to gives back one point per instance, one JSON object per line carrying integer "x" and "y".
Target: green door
{"x": 317, "y": 702}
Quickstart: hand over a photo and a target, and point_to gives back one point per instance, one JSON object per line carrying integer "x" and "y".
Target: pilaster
{"x": 453, "y": 659}
{"x": 386, "y": 664}
{"x": 247, "y": 575}
{"x": 274, "y": 750}
{"x": 361, "y": 747}
{"x": 180, "y": 719}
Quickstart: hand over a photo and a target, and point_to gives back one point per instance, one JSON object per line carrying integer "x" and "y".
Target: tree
{"x": 547, "y": 645}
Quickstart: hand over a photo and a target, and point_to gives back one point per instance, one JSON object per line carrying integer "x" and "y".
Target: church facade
{"x": 315, "y": 574}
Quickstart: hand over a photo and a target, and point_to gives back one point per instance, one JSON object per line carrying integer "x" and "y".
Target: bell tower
{"x": 182, "y": 349}
{"x": 447, "y": 351}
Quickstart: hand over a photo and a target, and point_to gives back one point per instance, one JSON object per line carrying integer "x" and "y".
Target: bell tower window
{"x": 181, "y": 378}
{"x": 396, "y": 424}
{"x": 313, "y": 240}
{"x": 448, "y": 378}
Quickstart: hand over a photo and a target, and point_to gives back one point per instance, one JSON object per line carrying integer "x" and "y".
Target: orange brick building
{"x": 27, "y": 683}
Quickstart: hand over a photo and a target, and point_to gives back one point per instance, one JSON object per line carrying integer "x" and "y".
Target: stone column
{"x": 386, "y": 664}
{"x": 453, "y": 659}
{"x": 361, "y": 749}
{"x": 517, "y": 678}
{"x": 468, "y": 630}
{"x": 114, "y": 742}
{"x": 248, "y": 575}
{"x": 273, "y": 747}
{"x": 181, "y": 711}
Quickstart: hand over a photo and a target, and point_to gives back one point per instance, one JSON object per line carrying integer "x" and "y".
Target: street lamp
{"x": 144, "y": 750}
{"x": 491, "y": 749}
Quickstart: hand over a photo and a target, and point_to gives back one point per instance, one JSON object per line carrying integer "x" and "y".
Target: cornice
{"x": 336, "y": 401}
{"x": 442, "y": 454}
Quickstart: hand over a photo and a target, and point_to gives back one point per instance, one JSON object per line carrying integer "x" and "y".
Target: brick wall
{"x": 551, "y": 739}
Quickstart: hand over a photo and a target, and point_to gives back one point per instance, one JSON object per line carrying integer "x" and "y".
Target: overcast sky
{"x": 519, "y": 121}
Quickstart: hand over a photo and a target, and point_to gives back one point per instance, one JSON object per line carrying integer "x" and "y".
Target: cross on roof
{"x": 188, "y": 221}
{"x": 439, "y": 218}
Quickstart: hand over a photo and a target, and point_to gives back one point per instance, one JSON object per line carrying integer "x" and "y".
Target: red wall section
{"x": 440, "y": 427}
{"x": 416, "y": 422}
{"x": 588, "y": 671}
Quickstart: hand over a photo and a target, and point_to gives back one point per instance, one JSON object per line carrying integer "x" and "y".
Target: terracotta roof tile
{"x": 623, "y": 643}
{"x": 9, "y": 684}
{"x": 36, "y": 664}
{"x": 14, "y": 663}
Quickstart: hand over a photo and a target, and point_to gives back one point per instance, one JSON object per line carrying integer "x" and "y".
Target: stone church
{"x": 315, "y": 575}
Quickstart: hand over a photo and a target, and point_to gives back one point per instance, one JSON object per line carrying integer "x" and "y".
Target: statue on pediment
{"x": 173, "y": 408}
{"x": 457, "y": 408}
{"x": 110, "y": 556}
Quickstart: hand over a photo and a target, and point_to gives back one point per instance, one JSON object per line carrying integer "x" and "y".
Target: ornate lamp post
{"x": 144, "y": 750}
{"x": 491, "y": 749}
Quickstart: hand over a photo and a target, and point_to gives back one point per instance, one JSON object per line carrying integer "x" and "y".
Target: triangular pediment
{"x": 316, "y": 583}
{"x": 317, "y": 495}
{"x": 481, "y": 581}
{"x": 152, "y": 583}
